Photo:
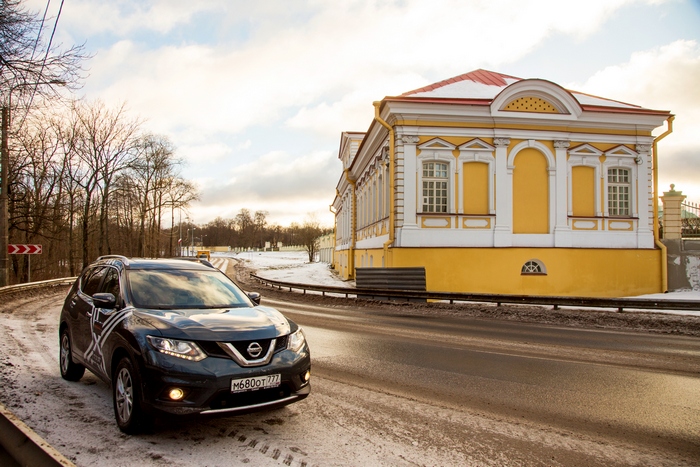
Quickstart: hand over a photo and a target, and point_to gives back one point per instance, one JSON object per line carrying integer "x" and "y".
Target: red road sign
{"x": 16, "y": 249}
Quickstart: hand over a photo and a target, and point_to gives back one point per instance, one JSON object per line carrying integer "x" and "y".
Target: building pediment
{"x": 621, "y": 151}
{"x": 585, "y": 150}
{"x": 536, "y": 98}
{"x": 476, "y": 145}
{"x": 437, "y": 144}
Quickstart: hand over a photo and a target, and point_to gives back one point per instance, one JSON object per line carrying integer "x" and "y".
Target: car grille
{"x": 213, "y": 349}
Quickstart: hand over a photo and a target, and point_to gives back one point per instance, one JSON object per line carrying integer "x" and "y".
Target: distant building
{"x": 497, "y": 184}
{"x": 326, "y": 245}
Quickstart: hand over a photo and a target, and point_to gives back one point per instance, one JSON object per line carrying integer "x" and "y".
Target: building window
{"x": 619, "y": 191}
{"x": 435, "y": 187}
{"x": 533, "y": 266}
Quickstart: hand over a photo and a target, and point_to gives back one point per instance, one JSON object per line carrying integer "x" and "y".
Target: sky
{"x": 254, "y": 95}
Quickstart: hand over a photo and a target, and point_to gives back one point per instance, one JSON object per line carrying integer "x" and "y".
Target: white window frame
{"x": 435, "y": 179}
{"x": 614, "y": 211}
{"x": 624, "y": 158}
{"x": 436, "y": 150}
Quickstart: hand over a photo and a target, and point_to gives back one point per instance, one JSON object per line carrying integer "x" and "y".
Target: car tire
{"x": 126, "y": 394}
{"x": 70, "y": 370}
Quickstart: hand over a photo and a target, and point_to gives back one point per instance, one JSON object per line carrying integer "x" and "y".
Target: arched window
{"x": 533, "y": 266}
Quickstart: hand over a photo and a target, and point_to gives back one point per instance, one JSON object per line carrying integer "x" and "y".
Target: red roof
{"x": 490, "y": 78}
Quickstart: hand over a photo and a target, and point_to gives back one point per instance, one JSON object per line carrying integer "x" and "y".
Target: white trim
{"x": 476, "y": 150}
{"x": 592, "y": 161}
{"x": 567, "y": 105}
{"x": 624, "y": 162}
{"x": 551, "y": 179}
{"x": 439, "y": 151}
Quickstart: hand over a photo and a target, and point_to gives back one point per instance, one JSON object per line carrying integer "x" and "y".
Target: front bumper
{"x": 207, "y": 384}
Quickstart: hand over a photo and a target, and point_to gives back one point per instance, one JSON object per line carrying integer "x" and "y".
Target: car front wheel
{"x": 70, "y": 371}
{"x": 126, "y": 393}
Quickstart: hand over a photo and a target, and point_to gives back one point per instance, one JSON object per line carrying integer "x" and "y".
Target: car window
{"x": 90, "y": 282}
{"x": 172, "y": 288}
{"x": 111, "y": 283}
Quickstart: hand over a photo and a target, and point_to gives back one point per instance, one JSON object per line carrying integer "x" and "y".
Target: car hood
{"x": 226, "y": 324}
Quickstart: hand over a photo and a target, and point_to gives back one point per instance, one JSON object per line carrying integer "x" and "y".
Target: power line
{"x": 46, "y": 55}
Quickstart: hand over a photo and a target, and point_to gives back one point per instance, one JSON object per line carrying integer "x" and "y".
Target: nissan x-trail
{"x": 178, "y": 337}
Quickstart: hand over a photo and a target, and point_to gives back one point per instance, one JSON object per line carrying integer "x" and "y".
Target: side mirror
{"x": 254, "y": 297}
{"x": 104, "y": 300}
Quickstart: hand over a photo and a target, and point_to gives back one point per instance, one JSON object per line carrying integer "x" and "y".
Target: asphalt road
{"x": 394, "y": 389}
{"x": 634, "y": 388}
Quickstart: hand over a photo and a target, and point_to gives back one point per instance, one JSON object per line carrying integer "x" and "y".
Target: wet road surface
{"x": 636, "y": 388}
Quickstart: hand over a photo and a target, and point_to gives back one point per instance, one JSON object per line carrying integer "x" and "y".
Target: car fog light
{"x": 306, "y": 376}
{"x": 176, "y": 394}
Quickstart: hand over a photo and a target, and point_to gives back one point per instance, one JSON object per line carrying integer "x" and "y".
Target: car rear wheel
{"x": 69, "y": 370}
{"x": 126, "y": 391}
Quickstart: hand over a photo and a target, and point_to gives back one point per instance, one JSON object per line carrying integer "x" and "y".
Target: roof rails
{"x": 122, "y": 258}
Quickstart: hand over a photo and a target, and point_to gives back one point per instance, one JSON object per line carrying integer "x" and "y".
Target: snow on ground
{"x": 294, "y": 266}
{"x": 290, "y": 266}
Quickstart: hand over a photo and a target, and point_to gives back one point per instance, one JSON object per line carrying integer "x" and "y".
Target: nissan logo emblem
{"x": 254, "y": 349}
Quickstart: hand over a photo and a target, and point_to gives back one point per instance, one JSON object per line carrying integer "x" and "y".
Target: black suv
{"x": 178, "y": 337}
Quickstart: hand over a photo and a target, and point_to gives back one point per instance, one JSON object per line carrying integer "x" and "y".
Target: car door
{"x": 81, "y": 310}
{"x": 101, "y": 318}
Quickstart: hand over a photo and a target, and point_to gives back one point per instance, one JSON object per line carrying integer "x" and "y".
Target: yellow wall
{"x": 583, "y": 191}
{"x": 530, "y": 193}
{"x": 476, "y": 188}
{"x": 583, "y": 272}
{"x": 570, "y": 271}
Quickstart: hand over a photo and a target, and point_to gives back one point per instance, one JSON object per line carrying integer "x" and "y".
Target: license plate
{"x": 255, "y": 382}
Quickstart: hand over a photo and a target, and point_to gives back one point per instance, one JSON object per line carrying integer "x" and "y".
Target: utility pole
{"x": 5, "y": 162}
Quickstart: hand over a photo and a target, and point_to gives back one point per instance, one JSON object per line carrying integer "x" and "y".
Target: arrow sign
{"x": 16, "y": 249}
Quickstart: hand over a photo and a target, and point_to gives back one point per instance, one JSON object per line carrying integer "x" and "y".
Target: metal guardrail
{"x": 620, "y": 304}
{"x": 37, "y": 285}
{"x": 24, "y": 446}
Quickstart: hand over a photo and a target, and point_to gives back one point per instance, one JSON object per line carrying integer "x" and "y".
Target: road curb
{"x": 24, "y": 445}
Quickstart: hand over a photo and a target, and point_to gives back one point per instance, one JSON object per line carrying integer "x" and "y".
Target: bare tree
{"x": 246, "y": 228}
{"x": 179, "y": 194}
{"x": 157, "y": 183}
{"x": 309, "y": 234}
{"x": 28, "y": 64}
{"x": 104, "y": 144}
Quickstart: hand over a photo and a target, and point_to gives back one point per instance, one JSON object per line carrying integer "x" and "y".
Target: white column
{"x": 562, "y": 232}
{"x": 410, "y": 190}
{"x": 503, "y": 230}
{"x": 645, "y": 229}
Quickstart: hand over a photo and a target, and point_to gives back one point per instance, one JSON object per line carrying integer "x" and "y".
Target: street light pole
{"x": 4, "y": 174}
{"x": 5, "y": 162}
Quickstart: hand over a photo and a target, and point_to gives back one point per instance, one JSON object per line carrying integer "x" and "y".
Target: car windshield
{"x": 178, "y": 288}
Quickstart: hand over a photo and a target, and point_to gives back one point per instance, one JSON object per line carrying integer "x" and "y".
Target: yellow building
{"x": 496, "y": 184}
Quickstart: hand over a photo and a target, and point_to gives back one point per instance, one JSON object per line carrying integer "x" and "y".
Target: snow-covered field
{"x": 290, "y": 266}
{"x": 294, "y": 266}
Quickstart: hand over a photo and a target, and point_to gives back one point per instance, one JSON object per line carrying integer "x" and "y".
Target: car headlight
{"x": 296, "y": 340}
{"x": 177, "y": 348}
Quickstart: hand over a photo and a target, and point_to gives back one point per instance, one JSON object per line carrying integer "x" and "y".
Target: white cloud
{"x": 663, "y": 78}
{"x": 285, "y": 186}
{"x": 317, "y": 66}
{"x": 124, "y": 17}
{"x": 380, "y": 48}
